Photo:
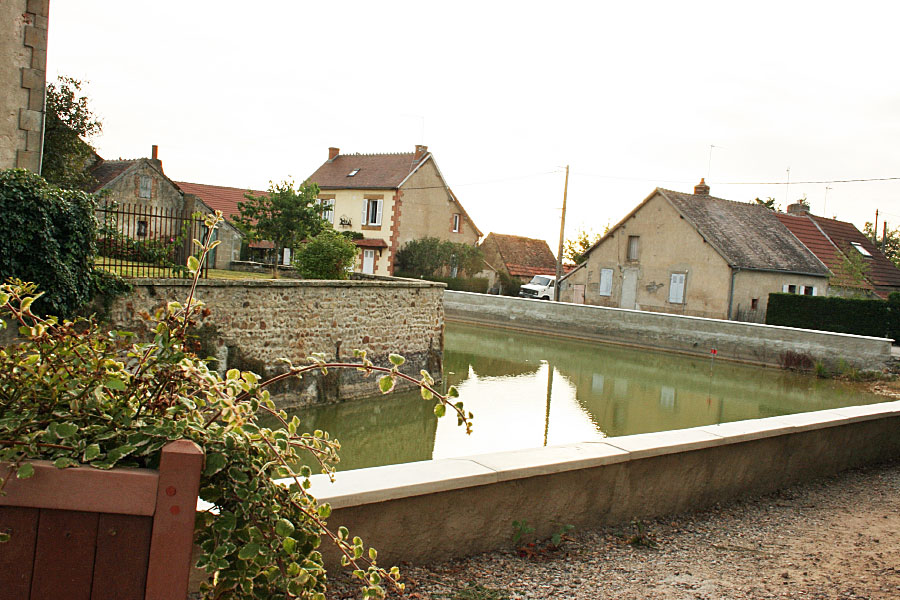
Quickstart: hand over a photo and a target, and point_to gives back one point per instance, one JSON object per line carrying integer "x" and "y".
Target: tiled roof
{"x": 882, "y": 272}
{"x": 373, "y": 171}
{"x": 218, "y": 197}
{"x": 819, "y": 244}
{"x": 524, "y": 256}
{"x": 370, "y": 243}
{"x": 747, "y": 236}
{"x": 108, "y": 170}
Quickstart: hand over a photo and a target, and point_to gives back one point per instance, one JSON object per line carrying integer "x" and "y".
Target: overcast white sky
{"x": 630, "y": 94}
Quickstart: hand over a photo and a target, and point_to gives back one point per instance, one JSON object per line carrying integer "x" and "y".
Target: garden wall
{"x": 255, "y": 323}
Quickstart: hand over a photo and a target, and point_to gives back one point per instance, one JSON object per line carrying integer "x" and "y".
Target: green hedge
{"x": 830, "y": 313}
{"x": 458, "y": 284}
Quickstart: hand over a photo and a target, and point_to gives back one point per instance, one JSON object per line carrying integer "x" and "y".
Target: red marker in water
{"x": 713, "y": 351}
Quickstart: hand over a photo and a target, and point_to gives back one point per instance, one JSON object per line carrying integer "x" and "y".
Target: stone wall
{"x": 23, "y": 46}
{"x": 752, "y": 343}
{"x": 254, "y": 324}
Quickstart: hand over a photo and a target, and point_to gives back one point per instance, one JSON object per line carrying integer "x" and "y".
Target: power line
{"x": 488, "y": 182}
{"x": 806, "y": 182}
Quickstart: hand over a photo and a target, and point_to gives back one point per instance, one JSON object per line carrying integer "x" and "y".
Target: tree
{"x": 283, "y": 215}
{"x": 329, "y": 255}
{"x": 889, "y": 244}
{"x": 574, "y": 249}
{"x": 768, "y": 203}
{"x": 69, "y": 122}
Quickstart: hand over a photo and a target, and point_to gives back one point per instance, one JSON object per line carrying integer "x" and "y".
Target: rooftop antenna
{"x": 788, "y": 186}
{"x": 825, "y": 203}
{"x": 709, "y": 164}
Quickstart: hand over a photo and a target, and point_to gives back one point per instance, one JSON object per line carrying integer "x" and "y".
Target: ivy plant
{"x": 75, "y": 394}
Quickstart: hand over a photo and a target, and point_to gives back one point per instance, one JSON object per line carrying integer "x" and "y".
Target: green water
{"x": 528, "y": 390}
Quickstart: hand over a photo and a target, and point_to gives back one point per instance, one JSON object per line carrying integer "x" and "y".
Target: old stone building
{"x": 150, "y": 205}
{"x": 390, "y": 199}
{"x": 518, "y": 256}
{"x": 23, "y": 46}
{"x": 697, "y": 255}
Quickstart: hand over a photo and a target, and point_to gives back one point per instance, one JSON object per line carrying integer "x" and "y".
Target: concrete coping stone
{"x": 392, "y": 482}
{"x": 291, "y": 283}
{"x": 649, "y": 314}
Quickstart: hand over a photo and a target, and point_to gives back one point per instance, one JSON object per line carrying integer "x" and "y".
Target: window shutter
{"x": 606, "y": 282}
{"x": 784, "y": 288}
{"x": 378, "y": 216}
{"x": 676, "y": 288}
{"x": 365, "y": 214}
{"x": 815, "y": 293}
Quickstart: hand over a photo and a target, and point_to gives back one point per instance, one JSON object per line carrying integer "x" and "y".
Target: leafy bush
{"x": 426, "y": 257}
{"x": 829, "y": 313}
{"x": 464, "y": 284}
{"x": 74, "y": 394}
{"x": 329, "y": 255}
{"x": 48, "y": 238}
{"x": 509, "y": 284}
{"x": 894, "y": 316}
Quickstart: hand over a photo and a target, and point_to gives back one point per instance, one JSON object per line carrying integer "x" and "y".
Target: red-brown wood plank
{"x": 64, "y": 556}
{"x": 173, "y": 524}
{"x": 120, "y": 564}
{"x": 17, "y": 555}
{"x": 121, "y": 491}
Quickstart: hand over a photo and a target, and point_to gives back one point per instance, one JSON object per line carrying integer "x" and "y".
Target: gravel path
{"x": 833, "y": 538}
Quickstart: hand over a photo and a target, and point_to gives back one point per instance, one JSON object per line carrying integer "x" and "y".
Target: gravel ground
{"x": 837, "y": 537}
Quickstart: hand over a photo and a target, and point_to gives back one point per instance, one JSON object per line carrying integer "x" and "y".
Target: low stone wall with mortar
{"x": 253, "y": 324}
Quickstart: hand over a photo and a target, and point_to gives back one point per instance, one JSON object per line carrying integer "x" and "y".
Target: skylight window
{"x": 353, "y": 172}
{"x": 861, "y": 250}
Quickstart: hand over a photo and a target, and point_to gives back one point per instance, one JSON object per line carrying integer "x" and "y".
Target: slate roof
{"x": 747, "y": 236}
{"x": 524, "y": 256}
{"x": 882, "y": 272}
{"x": 218, "y": 197}
{"x": 375, "y": 171}
{"x": 108, "y": 170}
{"x": 806, "y": 230}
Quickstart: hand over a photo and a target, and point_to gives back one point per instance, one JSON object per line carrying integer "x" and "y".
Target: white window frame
{"x": 804, "y": 288}
{"x": 456, "y": 222}
{"x": 606, "y": 276}
{"x": 679, "y": 287}
{"x": 145, "y": 187}
{"x": 327, "y": 207}
{"x": 367, "y": 211}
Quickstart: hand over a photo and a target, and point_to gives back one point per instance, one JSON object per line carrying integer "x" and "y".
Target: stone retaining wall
{"x": 442, "y": 509}
{"x": 254, "y": 324}
{"x": 767, "y": 345}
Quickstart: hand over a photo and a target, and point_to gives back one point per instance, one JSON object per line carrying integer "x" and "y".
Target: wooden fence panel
{"x": 17, "y": 555}
{"x": 123, "y": 551}
{"x": 64, "y": 556}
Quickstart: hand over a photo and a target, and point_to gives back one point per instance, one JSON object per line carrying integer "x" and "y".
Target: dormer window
{"x": 353, "y": 172}
{"x": 860, "y": 249}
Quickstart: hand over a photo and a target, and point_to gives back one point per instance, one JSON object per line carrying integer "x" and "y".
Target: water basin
{"x": 529, "y": 390}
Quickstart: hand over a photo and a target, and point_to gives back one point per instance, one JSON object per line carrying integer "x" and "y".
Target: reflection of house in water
{"x": 627, "y": 391}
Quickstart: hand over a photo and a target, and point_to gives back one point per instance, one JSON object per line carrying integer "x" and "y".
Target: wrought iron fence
{"x": 136, "y": 240}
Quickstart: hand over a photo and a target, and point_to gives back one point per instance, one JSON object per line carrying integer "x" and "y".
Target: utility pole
{"x": 787, "y": 187}
{"x": 562, "y": 233}
{"x": 875, "y": 229}
{"x": 825, "y": 204}
{"x": 883, "y": 237}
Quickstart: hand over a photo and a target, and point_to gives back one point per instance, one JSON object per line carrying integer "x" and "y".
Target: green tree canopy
{"x": 574, "y": 249}
{"x": 69, "y": 122}
{"x": 329, "y": 255}
{"x": 284, "y": 215}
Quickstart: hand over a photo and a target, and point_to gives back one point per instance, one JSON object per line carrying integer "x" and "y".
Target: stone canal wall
{"x": 767, "y": 345}
{"x": 441, "y": 509}
{"x": 254, "y": 324}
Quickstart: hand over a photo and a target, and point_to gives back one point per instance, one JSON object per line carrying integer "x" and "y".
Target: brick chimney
{"x": 421, "y": 151}
{"x": 333, "y": 153}
{"x": 154, "y": 152}
{"x": 701, "y": 189}
{"x": 798, "y": 208}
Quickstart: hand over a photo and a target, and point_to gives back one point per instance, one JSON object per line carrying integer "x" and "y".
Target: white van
{"x": 540, "y": 287}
